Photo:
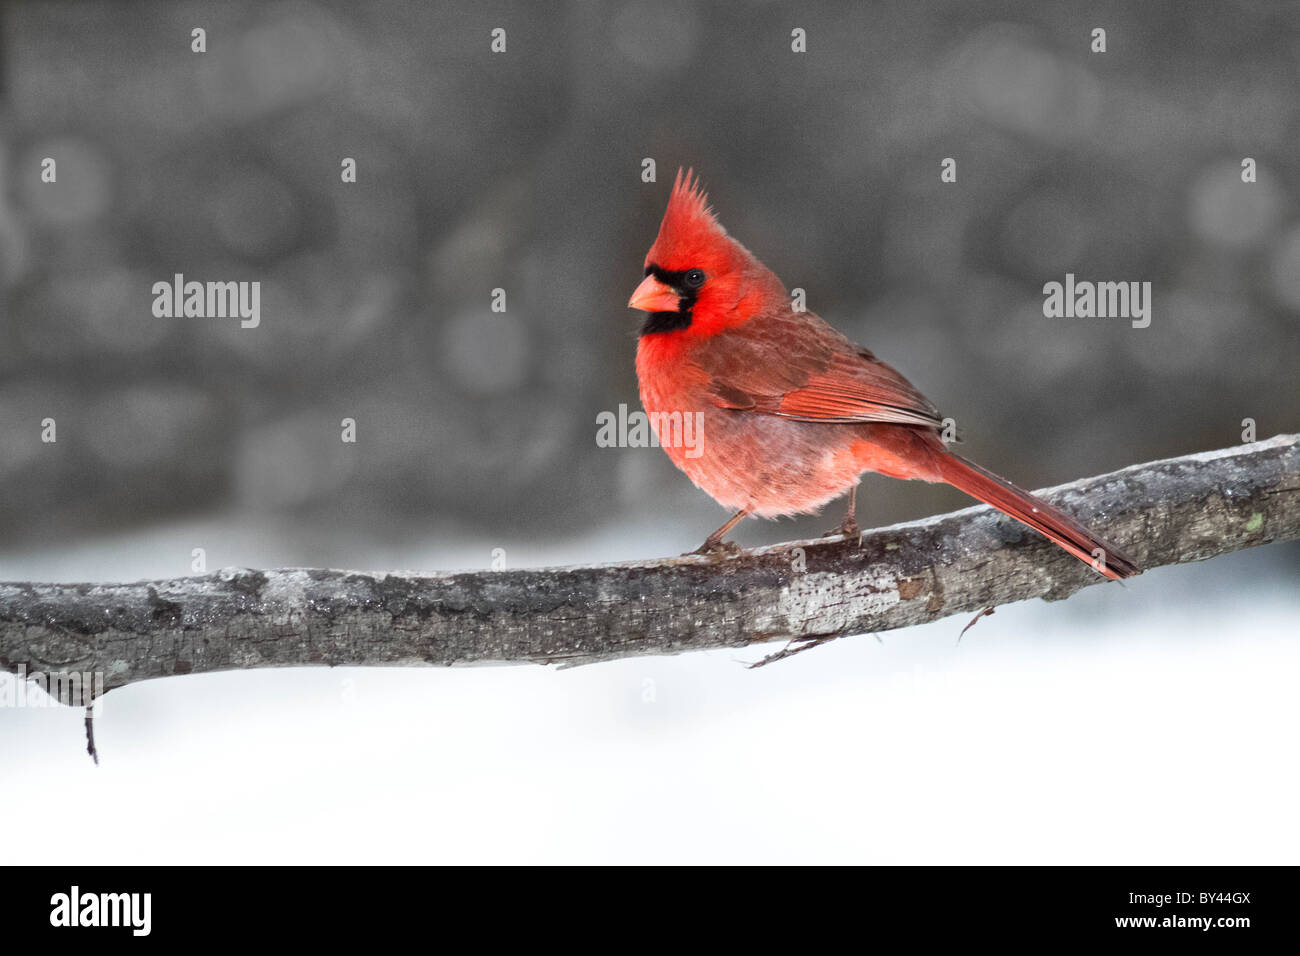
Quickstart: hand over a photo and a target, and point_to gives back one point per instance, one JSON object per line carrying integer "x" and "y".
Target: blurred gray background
{"x": 522, "y": 171}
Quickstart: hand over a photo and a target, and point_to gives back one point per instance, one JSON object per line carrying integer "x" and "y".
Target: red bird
{"x": 790, "y": 412}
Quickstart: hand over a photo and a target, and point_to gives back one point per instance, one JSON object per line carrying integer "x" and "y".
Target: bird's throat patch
{"x": 667, "y": 321}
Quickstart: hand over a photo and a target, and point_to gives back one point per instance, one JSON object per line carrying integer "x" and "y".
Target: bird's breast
{"x": 763, "y": 463}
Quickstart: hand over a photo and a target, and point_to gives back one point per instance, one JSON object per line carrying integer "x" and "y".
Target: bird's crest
{"x": 689, "y": 231}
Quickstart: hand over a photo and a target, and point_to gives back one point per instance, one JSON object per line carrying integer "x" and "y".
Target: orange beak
{"x": 653, "y": 296}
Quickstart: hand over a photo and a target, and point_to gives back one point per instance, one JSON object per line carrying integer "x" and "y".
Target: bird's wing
{"x": 796, "y": 366}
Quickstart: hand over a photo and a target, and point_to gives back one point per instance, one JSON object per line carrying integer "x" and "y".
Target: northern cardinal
{"x": 791, "y": 411}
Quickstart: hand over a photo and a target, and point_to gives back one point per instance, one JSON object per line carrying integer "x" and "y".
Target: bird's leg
{"x": 714, "y": 541}
{"x": 849, "y": 526}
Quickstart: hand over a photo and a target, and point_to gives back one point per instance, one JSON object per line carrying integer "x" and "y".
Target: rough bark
{"x": 1163, "y": 512}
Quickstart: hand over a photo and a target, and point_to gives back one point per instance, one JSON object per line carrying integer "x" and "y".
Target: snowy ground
{"x": 1150, "y": 723}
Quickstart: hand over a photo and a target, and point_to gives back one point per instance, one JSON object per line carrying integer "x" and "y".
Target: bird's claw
{"x": 711, "y": 546}
{"x": 848, "y": 529}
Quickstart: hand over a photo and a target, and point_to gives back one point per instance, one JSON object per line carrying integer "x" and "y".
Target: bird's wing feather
{"x": 796, "y": 366}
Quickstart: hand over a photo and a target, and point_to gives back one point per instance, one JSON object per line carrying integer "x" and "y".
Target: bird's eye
{"x": 693, "y": 279}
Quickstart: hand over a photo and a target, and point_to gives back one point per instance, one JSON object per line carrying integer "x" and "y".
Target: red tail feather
{"x": 1038, "y": 514}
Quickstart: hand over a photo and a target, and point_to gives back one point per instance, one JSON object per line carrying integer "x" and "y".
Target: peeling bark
{"x": 1163, "y": 512}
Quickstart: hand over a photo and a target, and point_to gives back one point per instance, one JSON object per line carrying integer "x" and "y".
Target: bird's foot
{"x": 715, "y": 546}
{"x": 848, "y": 529}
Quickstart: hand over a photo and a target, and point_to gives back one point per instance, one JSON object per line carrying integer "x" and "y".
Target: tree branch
{"x": 1164, "y": 512}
